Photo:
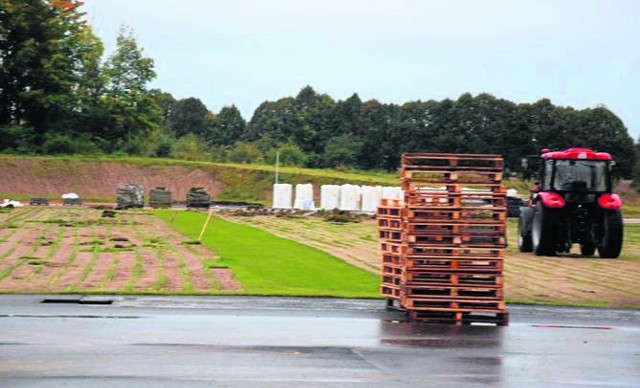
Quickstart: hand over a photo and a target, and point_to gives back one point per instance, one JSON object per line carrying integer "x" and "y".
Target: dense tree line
{"x": 58, "y": 95}
{"x": 314, "y": 130}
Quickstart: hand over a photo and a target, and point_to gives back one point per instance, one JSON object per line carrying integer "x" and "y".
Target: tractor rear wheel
{"x": 524, "y": 236}
{"x": 544, "y": 231}
{"x": 610, "y": 243}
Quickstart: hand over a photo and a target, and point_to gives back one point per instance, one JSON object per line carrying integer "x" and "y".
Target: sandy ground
{"x": 59, "y": 249}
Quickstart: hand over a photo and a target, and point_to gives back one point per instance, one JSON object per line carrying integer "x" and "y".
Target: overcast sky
{"x": 579, "y": 53}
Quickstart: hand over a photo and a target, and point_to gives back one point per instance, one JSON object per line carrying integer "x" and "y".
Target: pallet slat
{"x": 436, "y": 265}
{"x": 454, "y": 279}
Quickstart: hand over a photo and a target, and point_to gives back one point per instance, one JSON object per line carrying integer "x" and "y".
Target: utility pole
{"x": 277, "y": 164}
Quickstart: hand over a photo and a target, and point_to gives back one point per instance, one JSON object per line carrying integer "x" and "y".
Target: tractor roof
{"x": 575, "y": 154}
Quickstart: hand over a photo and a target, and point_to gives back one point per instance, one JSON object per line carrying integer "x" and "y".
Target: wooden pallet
{"x": 455, "y": 201}
{"x": 392, "y": 260}
{"x": 453, "y": 251}
{"x": 479, "y": 241}
{"x": 385, "y": 223}
{"x": 391, "y": 280}
{"x": 475, "y": 215}
{"x": 450, "y": 305}
{"x": 430, "y": 292}
{"x": 457, "y": 229}
{"x": 394, "y": 203}
{"x": 444, "y": 177}
{"x": 390, "y": 291}
{"x": 392, "y": 270}
{"x": 387, "y": 247}
{"x": 417, "y": 277}
{"x": 390, "y": 235}
{"x": 480, "y": 162}
{"x": 389, "y": 212}
{"x": 452, "y": 264}
{"x": 409, "y": 185}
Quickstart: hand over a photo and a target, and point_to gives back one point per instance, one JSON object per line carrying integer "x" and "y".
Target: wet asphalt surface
{"x": 294, "y": 342}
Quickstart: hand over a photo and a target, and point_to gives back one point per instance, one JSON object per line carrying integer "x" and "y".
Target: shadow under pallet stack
{"x": 443, "y": 247}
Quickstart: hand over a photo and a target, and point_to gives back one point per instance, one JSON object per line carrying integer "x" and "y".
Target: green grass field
{"x": 269, "y": 265}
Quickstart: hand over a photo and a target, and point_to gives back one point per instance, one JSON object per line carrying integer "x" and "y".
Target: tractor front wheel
{"x": 610, "y": 243}
{"x": 544, "y": 231}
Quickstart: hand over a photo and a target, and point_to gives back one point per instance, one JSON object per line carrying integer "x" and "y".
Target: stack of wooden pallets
{"x": 443, "y": 247}
{"x": 389, "y": 216}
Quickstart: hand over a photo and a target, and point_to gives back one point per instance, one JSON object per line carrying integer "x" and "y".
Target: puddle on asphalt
{"x": 439, "y": 343}
{"x": 428, "y": 335}
{"x": 71, "y": 316}
{"x": 91, "y": 301}
{"x": 573, "y": 327}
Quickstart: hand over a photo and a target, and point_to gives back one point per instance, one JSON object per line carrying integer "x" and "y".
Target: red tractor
{"x": 572, "y": 203}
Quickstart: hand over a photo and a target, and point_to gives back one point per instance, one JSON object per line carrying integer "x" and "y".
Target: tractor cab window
{"x": 580, "y": 175}
{"x": 547, "y": 175}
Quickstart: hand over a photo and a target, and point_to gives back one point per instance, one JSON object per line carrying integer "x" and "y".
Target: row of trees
{"x": 314, "y": 130}
{"x": 58, "y": 95}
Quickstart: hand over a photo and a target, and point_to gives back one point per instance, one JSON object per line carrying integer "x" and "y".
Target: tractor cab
{"x": 572, "y": 203}
{"x": 576, "y": 170}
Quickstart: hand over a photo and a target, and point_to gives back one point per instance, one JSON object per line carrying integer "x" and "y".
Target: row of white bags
{"x": 342, "y": 197}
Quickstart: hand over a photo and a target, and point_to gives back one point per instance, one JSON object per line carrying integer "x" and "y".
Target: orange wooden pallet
{"x": 417, "y": 277}
{"x": 433, "y": 265}
{"x": 392, "y": 260}
{"x": 477, "y": 215}
{"x": 452, "y": 161}
{"x": 460, "y": 200}
{"x": 448, "y": 292}
{"x": 454, "y": 251}
{"x": 426, "y": 303}
{"x": 385, "y": 223}
{"x": 391, "y": 247}
{"x": 390, "y": 235}
{"x": 441, "y": 228}
{"x": 471, "y": 240}
{"x": 433, "y": 176}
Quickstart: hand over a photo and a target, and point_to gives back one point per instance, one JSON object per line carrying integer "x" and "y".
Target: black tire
{"x": 587, "y": 249}
{"x": 524, "y": 237}
{"x": 610, "y": 243}
{"x": 544, "y": 231}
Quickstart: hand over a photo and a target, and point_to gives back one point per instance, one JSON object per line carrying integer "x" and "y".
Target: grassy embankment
{"x": 269, "y": 265}
{"x": 239, "y": 182}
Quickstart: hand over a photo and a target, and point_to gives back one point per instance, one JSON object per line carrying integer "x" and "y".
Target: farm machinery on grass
{"x": 572, "y": 203}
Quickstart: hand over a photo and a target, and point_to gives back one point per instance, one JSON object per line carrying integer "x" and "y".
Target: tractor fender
{"x": 526, "y": 219}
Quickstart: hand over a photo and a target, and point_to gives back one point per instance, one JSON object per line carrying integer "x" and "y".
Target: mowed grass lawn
{"x": 269, "y": 265}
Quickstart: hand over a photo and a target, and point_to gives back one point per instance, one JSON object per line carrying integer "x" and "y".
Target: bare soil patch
{"x": 99, "y": 179}
{"x": 59, "y": 249}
